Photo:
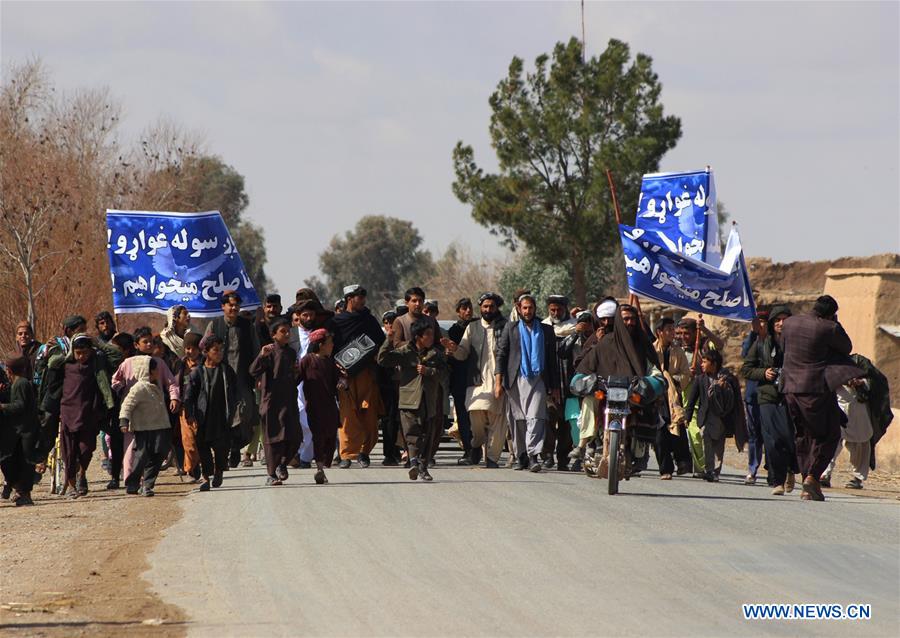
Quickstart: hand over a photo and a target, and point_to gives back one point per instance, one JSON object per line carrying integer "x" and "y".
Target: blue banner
{"x": 656, "y": 272}
{"x": 681, "y": 207}
{"x": 159, "y": 260}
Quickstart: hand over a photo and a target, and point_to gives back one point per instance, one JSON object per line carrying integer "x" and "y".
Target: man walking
{"x": 526, "y": 369}
{"x": 476, "y": 354}
{"x": 814, "y": 344}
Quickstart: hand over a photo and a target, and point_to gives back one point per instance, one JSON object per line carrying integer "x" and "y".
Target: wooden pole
{"x": 612, "y": 189}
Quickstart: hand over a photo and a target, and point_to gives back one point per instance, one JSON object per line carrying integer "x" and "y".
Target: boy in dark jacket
{"x": 714, "y": 398}
{"x": 19, "y": 429}
{"x": 421, "y": 366}
{"x": 210, "y": 407}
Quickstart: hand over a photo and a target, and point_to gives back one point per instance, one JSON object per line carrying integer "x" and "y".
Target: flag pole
{"x": 612, "y": 189}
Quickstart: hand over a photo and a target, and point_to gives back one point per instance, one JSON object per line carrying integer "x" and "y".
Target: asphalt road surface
{"x": 501, "y": 553}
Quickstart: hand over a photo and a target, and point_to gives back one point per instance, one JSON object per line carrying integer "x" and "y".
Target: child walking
{"x": 144, "y": 414}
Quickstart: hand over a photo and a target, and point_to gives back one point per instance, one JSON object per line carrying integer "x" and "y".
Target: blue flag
{"x": 159, "y": 260}
{"x": 681, "y": 207}
{"x": 656, "y": 272}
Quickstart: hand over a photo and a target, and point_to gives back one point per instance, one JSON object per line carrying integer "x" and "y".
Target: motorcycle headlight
{"x": 618, "y": 394}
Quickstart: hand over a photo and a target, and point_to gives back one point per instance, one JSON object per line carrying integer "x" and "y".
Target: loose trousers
{"x": 778, "y": 438}
{"x": 755, "y": 443}
{"x": 150, "y": 449}
{"x": 489, "y": 430}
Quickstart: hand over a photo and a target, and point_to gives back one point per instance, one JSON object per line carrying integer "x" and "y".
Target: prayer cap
{"x": 562, "y": 300}
{"x": 353, "y": 289}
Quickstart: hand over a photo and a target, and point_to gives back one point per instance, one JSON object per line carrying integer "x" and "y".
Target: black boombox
{"x": 354, "y": 356}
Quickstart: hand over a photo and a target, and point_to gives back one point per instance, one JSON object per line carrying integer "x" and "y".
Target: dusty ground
{"x": 72, "y": 568}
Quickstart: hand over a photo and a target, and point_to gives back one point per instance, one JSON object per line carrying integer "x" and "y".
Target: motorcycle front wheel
{"x": 615, "y": 437}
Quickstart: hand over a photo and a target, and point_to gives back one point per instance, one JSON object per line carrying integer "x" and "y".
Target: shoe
{"x": 698, "y": 475}
{"x": 132, "y": 490}
{"x": 148, "y": 491}
{"x": 320, "y": 477}
{"x": 282, "y": 472}
{"x": 246, "y": 461}
{"x": 665, "y": 477}
{"x": 825, "y": 481}
{"x": 789, "y": 483}
{"x": 811, "y": 487}
{"x": 778, "y": 490}
{"x": 517, "y": 465}
{"x": 423, "y": 473}
{"x": 577, "y": 466}
{"x": 195, "y": 473}
{"x": 413, "y": 471}
{"x": 23, "y": 499}
{"x": 7, "y": 492}
{"x": 82, "y": 485}
{"x": 750, "y": 480}
{"x": 465, "y": 459}
{"x": 363, "y": 460}
{"x": 710, "y": 477}
{"x": 577, "y": 453}
{"x": 344, "y": 464}
{"x": 305, "y": 465}
{"x": 562, "y": 467}
{"x": 294, "y": 463}
{"x": 806, "y": 496}
{"x": 854, "y": 484}
{"x": 273, "y": 480}
{"x": 204, "y": 486}
{"x": 548, "y": 464}
{"x": 217, "y": 479}
{"x": 234, "y": 458}
{"x": 491, "y": 465}
{"x": 390, "y": 461}
{"x": 475, "y": 455}
{"x": 683, "y": 469}
{"x": 113, "y": 484}
{"x": 432, "y": 463}
{"x": 535, "y": 465}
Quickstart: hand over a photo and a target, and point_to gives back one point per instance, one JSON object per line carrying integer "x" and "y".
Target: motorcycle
{"x": 619, "y": 401}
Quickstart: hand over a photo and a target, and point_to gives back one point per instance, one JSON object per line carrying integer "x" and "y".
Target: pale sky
{"x": 334, "y": 111}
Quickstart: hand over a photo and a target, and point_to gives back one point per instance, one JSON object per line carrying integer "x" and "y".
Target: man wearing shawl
{"x": 559, "y": 435}
{"x": 526, "y": 370}
{"x": 624, "y": 352}
{"x": 360, "y": 402}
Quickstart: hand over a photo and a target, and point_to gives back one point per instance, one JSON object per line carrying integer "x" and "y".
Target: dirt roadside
{"x": 72, "y": 567}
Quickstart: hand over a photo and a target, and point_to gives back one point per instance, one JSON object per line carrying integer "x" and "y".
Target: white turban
{"x": 607, "y": 309}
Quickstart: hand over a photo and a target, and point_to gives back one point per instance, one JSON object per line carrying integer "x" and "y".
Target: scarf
{"x": 349, "y": 325}
{"x": 532, "y": 343}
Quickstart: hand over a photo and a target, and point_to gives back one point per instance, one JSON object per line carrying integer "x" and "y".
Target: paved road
{"x": 500, "y": 553}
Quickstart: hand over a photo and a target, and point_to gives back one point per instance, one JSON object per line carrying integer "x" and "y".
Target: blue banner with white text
{"x": 681, "y": 207}
{"x": 656, "y": 272}
{"x": 158, "y": 260}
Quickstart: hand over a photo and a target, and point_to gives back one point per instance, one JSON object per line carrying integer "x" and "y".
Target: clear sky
{"x": 337, "y": 110}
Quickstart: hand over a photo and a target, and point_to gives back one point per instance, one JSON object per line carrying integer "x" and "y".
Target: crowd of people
{"x": 310, "y": 386}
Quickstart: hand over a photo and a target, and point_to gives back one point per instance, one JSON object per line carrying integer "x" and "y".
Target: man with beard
{"x": 360, "y": 403}
{"x": 816, "y": 363}
{"x": 571, "y": 349}
{"x": 762, "y": 364}
{"x": 105, "y": 325}
{"x": 306, "y": 316}
{"x": 271, "y": 310}
{"x": 605, "y": 311}
{"x": 527, "y": 371}
{"x": 626, "y": 351}
{"x": 672, "y": 452}
{"x": 476, "y": 353}
{"x": 241, "y": 348}
{"x": 458, "y": 380}
{"x": 559, "y": 436}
